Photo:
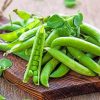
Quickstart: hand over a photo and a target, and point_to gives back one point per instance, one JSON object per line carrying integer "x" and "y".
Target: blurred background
{"x": 90, "y": 8}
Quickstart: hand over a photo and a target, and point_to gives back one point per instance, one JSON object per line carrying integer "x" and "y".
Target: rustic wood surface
{"x": 90, "y": 8}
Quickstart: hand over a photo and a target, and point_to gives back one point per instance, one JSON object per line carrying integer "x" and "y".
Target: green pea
{"x": 35, "y": 73}
{"x": 34, "y": 67}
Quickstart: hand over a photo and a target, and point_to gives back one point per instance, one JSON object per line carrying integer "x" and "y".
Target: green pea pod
{"x": 73, "y": 65}
{"x": 91, "y": 31}
{"x": 21, "y": 46}
{"x": 9, "y": 37}
{"x": 78, "y": 44}
{"x": 29, "y": 34}
{"x": 34, "y": 63}
{"x": 60, "y": 71}
{"x": 9, "y": 27}
{"x": 22, "y": 14}
{"x": 46, "y": 58}
{"x": 47, "y": 69}
{"x": 85, "y": 60}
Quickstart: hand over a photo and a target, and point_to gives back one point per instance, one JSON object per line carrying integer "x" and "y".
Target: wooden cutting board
{"x": 70, "y": 85}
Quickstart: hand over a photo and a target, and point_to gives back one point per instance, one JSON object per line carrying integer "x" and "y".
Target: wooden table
{"x": 91, "y": 11}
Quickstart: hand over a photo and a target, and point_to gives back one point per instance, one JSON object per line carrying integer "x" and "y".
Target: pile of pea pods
{"x": 52, "y": 45}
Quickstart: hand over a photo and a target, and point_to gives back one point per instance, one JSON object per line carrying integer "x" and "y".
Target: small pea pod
{"x": 9, "y": 37}
{"x": 77, "y": 43}
{"x": 22, "y": 14}
{"x": 60, "y": 71}
{"x": 34, "y": 63}
{"x": 9, "y": 27}
{"x": 29, "y": 34}
{"x": 73, "y": 65}
{"x": 21, "y": 46}
{"x": 91, "y": 31}
{"x": 46, "y": 58}
{"x": 85, "y": 60}
{"x": 47, "y": 69}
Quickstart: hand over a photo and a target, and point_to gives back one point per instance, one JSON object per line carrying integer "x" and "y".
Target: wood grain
{"x": 90, "y": 8}
{"x": 70, "y": 85}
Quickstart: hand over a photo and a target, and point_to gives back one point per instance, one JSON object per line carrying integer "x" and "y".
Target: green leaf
{"x": 77, "y": 21}
{"x": 4, "y": 64}
{"x": 55, "y": 21}
{"x": 70, "y": 3}
{"x": 22, "y": 14}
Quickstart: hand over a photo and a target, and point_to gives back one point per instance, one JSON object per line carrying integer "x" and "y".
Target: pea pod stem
{"x": 85, "y": 60}
{"x": 73, "y": 65}
{"x": 77, "y": 43}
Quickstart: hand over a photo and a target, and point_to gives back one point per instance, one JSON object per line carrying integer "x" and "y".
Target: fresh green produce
{"x": 47, "y": 69}
{"x": 70, "y": 3}
{"x": 9, "y": 27}
{"x": 75, "y": 66}
{"x": 36, "y": 56}
{"x": 4, "y": 64}
{"x": 22, "y": 14}
{"x": 91, "y": 31}
{"x": 85, "y": 60}
{"x": 21, "y": 46}
{"x": 40, "y": 41}
{"x": 2, "y": 97}
{"x": 77, "y": 43}
{"x": 9, "y": 37}
{"x": 60, "y": 71}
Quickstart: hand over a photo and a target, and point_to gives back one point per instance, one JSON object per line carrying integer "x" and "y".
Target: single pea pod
{"x": 60, "y": 71}
{"x": 28, "y": 34}
{"x": 91, "y": 31}
{"x": 34, "y": 63}
{"x": 77, "y": 43}
{"x": 9, "y": 27}
{"x": 85, "y": 60}
{"x": 46, "y": 58}
{"x": 21, "y": 46}
{"x": 72, "y": 64}
{"x": 9, "y": 37}
{"x": 47, "y": 69}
